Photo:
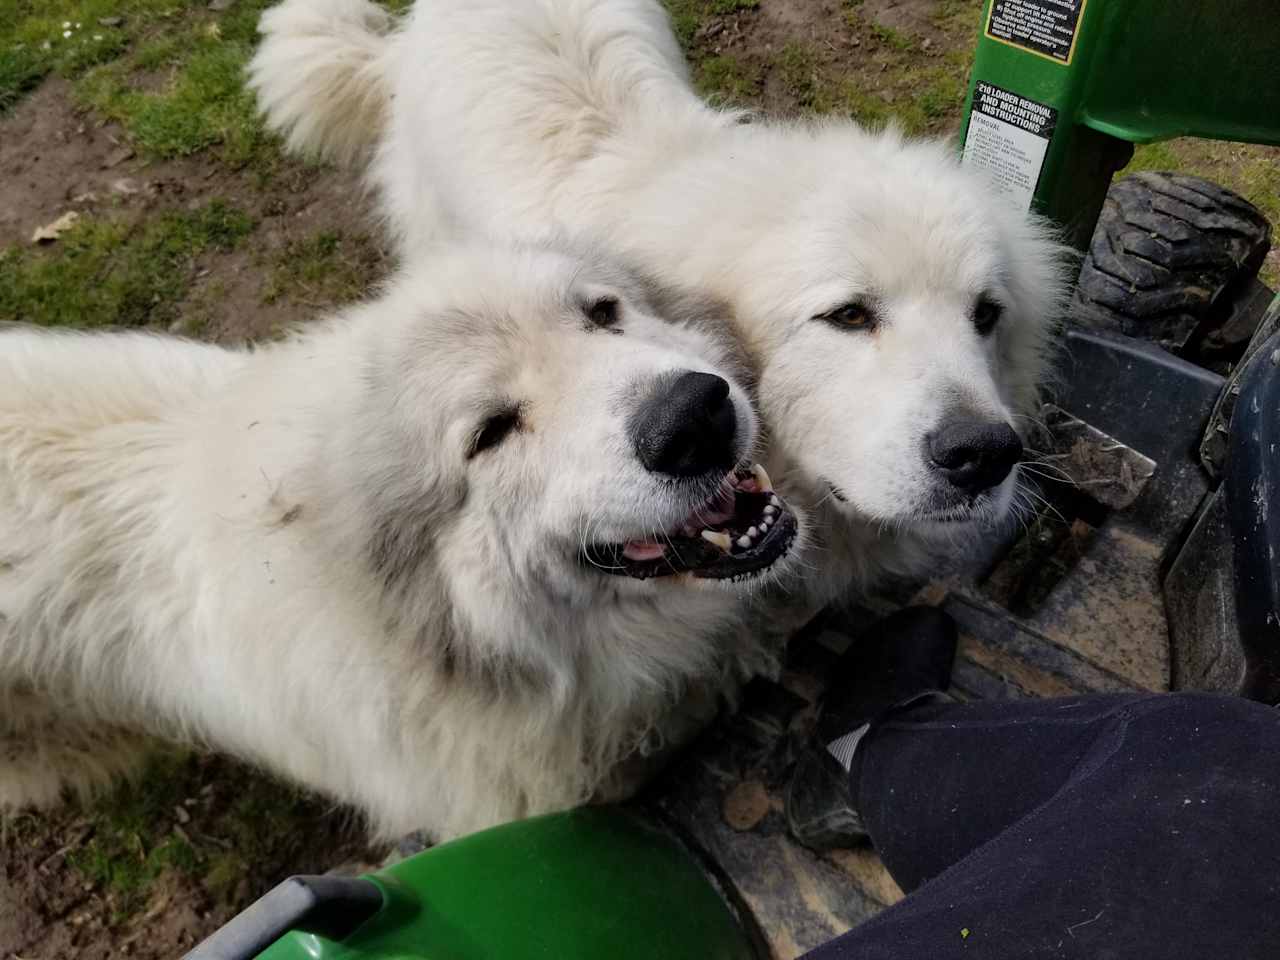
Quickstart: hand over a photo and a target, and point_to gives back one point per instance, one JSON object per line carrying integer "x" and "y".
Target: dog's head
{"x": 547, "y": 422}
{"x": 909, "y": 312}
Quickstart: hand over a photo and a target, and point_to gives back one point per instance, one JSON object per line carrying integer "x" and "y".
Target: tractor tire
{"x": 1170, "y": 260}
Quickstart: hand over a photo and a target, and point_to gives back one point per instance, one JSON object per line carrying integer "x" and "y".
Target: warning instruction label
{"x": 1008, "y": 138}
{"x": 1046, "y": 27}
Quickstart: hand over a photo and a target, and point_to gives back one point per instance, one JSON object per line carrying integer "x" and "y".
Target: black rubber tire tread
{"x": 1166, "y": 248}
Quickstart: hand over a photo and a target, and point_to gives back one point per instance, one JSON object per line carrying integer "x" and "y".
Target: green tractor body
{"x": 592, "y": 883}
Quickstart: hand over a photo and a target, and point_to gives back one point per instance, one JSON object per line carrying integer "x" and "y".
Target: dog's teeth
{"x": 762, "y": 478}
{"x": 766, "y": 523}
{"x": 753, "y": 532}
{"x": 721, "y": 540}
{"x": 744, "y": 541}
{"x": 775, "y": 502}
{"x": 770, "y": 510}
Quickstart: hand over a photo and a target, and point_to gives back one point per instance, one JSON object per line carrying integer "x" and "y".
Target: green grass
{"x": 941, "y": 92}
{"x": 124, "y": 856}
{"x": 193, "y": 60}
{"x": 894, "y": 39}
{"x": 182, "y": 92}
{"x": 1152, "y": 156}
{"x": 107, "y": 272}
{"x": 33, "y": 44}
{"x": 798, "y": 68}
{"x": 170, "y": 71}
{"x": 330, "y": 267}
{"x": 726, "y": 78}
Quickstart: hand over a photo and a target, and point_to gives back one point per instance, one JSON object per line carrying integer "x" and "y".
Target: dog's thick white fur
{"x": 323, "y": 556}
{"x": 509, "y": 117}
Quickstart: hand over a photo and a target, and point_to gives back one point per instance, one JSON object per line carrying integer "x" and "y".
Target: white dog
{"x": 896, "y": 311}
{"x": 450, "y": 557}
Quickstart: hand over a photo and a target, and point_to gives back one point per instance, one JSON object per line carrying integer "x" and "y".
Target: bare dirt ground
{"x": 156, "y": 866}
{"x": 56, "y": 157}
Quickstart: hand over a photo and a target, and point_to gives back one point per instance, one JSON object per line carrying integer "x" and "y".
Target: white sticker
{"x": 1008, "y": 138}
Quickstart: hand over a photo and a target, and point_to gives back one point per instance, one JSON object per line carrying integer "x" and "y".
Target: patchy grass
{"x": 942, "y": 91}
{"x": 110, "y": 272}
{"x": 964, "y": 14}
{"x": 230, "y": 831}
{"x": 123, "y": 856}
{"x": 917, "y": 99}
{"x": 894, "y": 39}
{"x": 689, "y": 16}
{"x": 848, "y": 65}
{"x": 331, "y": 267}
{"x": 798, "y": 67}
{"x": 170, "y": 71}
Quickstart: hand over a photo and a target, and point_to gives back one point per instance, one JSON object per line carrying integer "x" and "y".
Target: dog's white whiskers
{"x": 1048, "y": 506}
{"x": 1039, "y": 466}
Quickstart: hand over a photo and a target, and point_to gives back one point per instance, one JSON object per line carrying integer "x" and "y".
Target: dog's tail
{"x": 322, "y": 75}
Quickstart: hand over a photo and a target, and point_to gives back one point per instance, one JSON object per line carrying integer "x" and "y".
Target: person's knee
{"x": 1197, "y": 708}
{"x": 1207, "y": 724}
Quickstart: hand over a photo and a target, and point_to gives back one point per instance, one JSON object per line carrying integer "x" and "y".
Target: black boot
{"x": 898, "y": 659}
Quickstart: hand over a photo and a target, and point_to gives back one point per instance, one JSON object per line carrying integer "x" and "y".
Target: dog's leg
{"x": 45, "y": 753}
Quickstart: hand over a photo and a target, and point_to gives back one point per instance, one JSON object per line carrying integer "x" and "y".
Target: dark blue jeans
{"x": 1125, "y": 827}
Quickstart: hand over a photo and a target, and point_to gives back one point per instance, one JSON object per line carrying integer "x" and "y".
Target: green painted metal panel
{"x": 584, "y": 885}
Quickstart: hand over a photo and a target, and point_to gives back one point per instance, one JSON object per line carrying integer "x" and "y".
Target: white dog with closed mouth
{"x": 451, "y": 557}
{"x": 896, "y": 310}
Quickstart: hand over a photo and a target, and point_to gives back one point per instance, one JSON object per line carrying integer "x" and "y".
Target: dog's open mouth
{"x": 739, "y": 533}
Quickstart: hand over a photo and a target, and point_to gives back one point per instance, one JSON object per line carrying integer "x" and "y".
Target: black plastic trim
{"x": 1252, "y": 485}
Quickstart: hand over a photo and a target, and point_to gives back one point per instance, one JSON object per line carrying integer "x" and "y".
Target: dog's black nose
{"x": 686, "y": 427}
{"x": 975, "y": 455}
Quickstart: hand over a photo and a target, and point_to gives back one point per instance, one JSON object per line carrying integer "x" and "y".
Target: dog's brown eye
{"x": 850, "y": 316}
{"x": 986, "y": 315}
{"x": 493, "y": 431}
{"x": 603, "y": 312}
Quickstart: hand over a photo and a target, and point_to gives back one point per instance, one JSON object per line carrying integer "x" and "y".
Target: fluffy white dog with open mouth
{"x": 895, "y": 310}
{"x": 452, "y": 556}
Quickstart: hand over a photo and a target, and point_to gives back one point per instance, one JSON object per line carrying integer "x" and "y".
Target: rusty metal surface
{"x": 725, "y": 797}
{"x": 1094, "y": 462}
{"x": 1024, "y": 657}
{"x": 1111, "y": 611}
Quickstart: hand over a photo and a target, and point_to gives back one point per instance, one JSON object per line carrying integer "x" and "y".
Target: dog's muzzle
{"x": 737, "y": 534}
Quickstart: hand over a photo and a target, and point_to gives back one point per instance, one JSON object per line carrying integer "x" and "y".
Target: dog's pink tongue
{"x": 643, "y": 550}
